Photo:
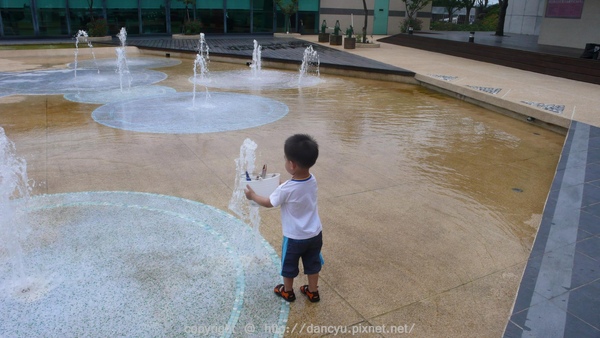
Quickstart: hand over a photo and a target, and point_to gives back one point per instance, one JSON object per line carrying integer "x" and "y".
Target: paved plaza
{"x": 384, "y": 268}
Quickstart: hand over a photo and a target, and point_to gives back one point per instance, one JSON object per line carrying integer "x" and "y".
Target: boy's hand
{"x": 260, "y": 200}
{"x": 249, "y": 192}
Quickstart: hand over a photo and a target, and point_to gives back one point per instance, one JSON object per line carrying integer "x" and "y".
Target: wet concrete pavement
{"x": 441, "y": 297}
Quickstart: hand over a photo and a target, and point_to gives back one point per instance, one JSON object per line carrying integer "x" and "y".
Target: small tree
{"x": 187, "y": 10}
{"x": 95, "y": 27}
{"x": 501, "y": 17}
{"x": 190, "y": 27}
{"x": 364, "y": 29}
{"x": 482, "y": 6}
{"x": 91, "y": 9}
{"x": 412, "y": 8}
{"x": 468, "y": 5}
{"x": 451, "y": 6}
{"x": 288, "y": 8}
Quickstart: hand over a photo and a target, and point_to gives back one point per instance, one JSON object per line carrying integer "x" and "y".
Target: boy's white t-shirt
{"x": 299, "y": 212}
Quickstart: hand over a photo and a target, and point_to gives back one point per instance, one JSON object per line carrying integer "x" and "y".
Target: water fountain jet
{"x": 14, "y": 194}
{"x": 201, "y": 61}
{"x": 122, "y": 67}
{"x": 82, "y": 36}
{"x": 310, "y": 62}
{"x": 256, "y": 64}
{"x": 246, "y": 210}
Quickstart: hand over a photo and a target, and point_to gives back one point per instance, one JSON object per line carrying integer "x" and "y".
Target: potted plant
{"x": 350, "y": 40}
{"x": 335, "y": 39}
{"x": 324, "y": 36}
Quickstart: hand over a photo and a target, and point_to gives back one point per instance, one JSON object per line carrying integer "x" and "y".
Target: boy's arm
{"x": 260, "y": 200}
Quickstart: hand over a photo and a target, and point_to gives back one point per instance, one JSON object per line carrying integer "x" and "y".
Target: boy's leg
{"x": 313, "y": 282}
{"x": 288, "y": 283}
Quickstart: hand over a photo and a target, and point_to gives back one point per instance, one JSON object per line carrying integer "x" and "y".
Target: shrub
{"x": 192, "y": 27}
{"x": 416, "y": 24}
{"x": 97, "y": 27}
{"x": 486, "y": 21}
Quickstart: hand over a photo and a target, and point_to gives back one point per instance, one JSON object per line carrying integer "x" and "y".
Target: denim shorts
{"x": 307, "y": 249}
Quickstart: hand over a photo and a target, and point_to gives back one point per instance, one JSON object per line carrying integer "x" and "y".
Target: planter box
{"x": 186, "y": 37}
{"x": 367, "y": 45}
{"x": 335, "y": 40}
{"x": 349, "y": 43}
{"x": 323, "y": 37}
{"x": 94, "y": 38}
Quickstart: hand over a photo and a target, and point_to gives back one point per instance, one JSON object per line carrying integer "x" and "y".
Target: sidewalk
{"x": 559, "y": 100}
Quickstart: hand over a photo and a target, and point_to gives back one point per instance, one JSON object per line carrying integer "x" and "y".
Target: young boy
{"x": 300, "y": 220}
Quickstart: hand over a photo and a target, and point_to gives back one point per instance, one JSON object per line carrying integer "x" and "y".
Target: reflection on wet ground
{"x": 426, "y": 199}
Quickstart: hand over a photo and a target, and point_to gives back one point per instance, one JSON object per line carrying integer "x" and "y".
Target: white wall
{"x": 574, "y": 33}
{"x": 525, "y": 16}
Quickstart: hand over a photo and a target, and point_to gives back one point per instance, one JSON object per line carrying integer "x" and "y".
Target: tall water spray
{"x": 201, "y": 61}
{"x": 310, "y": 63}
{"x": 122, "y": 67}
{"x": 14, "y": 193}
{"x": 256, "y": 59}
{"x": 83, "y": 37}
{"x": 248, "y": 212}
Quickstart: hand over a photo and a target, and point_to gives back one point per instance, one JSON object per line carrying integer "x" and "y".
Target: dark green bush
{"x": 97, "y": 27}
{"x": 192, "y": 27}
{"x": 416, "y": 24}
{"x": 485, "y": 22}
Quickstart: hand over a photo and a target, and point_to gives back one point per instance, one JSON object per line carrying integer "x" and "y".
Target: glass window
{"x": 16, "y": 17}
{"x": 308, "y": 22}
{"x": 80, "y": 14}
{"x": 238, "y": 4}
{"x": 52, "y": 17}
{"x": 208, "y": 12}
{"x": 262, "y": 16}
{"x": 238, "y": 21}
{"x": 209, "y": 4}
{"x": 153, "y": 16}
{"x": 178, "y": 15}
{"x": 122, "y": 13}
{"x": 308, "y": 5}
{"x": 238, "y": 16}
{"x": 281, "y": 22}
{"x": 212, "y": 20}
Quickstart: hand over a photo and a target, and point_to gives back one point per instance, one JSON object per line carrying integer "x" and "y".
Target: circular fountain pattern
{"x": 137, "y": 264}
{"x": 132, "y": 62}
{"x": 64, "y": 81}
{"x": 181, "y": 113}
{"x": 265, "y": 79}
{"x": 114, "y": 95}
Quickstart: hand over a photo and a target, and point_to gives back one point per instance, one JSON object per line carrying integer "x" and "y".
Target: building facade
{"x": 384, "y": 17}
{"x": 564, "y": 23}
{"x": 60, "y": 18}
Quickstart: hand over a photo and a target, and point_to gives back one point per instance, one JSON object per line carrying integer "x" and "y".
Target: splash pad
{"x": 134, "y": 264}
{"x": 256, "y": 78}
{"x": 93, "y": 81}
{"x": 50, "y": 82}
{"x": 126, "y": 263}
{"x": 186, "y": 113}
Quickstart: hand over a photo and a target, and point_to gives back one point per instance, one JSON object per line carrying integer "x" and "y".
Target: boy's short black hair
{"x": 301, "y": 149}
